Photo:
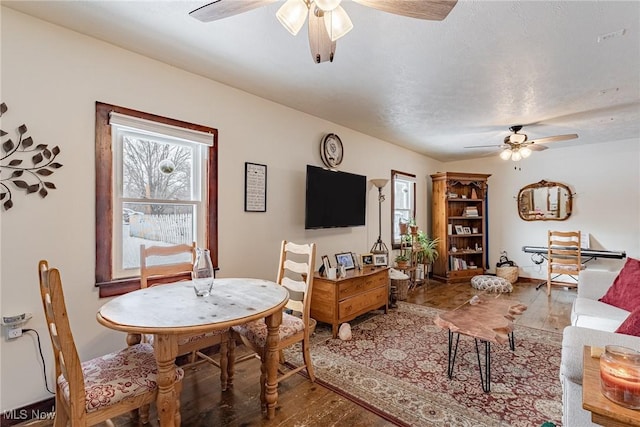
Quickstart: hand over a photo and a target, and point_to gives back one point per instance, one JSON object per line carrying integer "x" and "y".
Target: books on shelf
{"x": 457, "y": 264}
{"x": 471, "y": 211}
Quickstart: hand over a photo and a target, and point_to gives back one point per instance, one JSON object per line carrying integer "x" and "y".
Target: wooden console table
{"x": 336, "y": 301}
{"x": 603, "y": 411}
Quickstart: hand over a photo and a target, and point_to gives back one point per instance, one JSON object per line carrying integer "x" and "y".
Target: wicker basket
{"x": 509, "y": 273}
{"x": 402, "y": 287}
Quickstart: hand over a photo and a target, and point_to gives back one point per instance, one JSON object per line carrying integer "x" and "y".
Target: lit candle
{"x": 620, "y": 375}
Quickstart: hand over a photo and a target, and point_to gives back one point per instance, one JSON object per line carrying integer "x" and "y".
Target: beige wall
{"x": 51, "y": 79}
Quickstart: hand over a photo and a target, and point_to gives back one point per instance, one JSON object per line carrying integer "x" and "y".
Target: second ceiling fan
{"x": 518, "y": 146}
{"x": 328, "y": 21}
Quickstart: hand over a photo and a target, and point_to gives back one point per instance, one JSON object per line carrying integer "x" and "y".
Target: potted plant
{"x": 404, "y": 227}
{"x": 402, "y": 261}
{"x": 426, "y": 248}
{"x": 413, "y": 226}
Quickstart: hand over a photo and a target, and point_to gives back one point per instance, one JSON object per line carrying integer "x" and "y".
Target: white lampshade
{"x": 380, "y": 183}
{"x": 525, "y": 151}
{"x": 516, "y": 156}
{"x": 518, "y": 138}
{"x": 505, "y": 154}
{"x": 337, "y": 23}
{"x": 327, "y": 5}
{"x": 292, "y": 15}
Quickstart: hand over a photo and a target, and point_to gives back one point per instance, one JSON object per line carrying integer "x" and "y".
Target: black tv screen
{"x": 334, "y": 199}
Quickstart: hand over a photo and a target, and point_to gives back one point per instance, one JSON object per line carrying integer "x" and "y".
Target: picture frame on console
{"x": 346, "y": 259}
{"x": 326, "y": 264}
{"x": 366, "y": 260}
{"x": 466, "y": 230}
{"x": 356, "y": 260}
{"x": 459, "y": 229}
{"x": 380, "y": 260}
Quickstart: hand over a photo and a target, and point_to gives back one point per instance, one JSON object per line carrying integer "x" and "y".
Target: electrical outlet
{"x": 14, "y": 332}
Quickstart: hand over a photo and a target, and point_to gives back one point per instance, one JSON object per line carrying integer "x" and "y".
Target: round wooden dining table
{"x": 170, "y": 310}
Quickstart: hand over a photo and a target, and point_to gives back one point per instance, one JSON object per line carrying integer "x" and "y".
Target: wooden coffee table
{"x": 489, "y": 320}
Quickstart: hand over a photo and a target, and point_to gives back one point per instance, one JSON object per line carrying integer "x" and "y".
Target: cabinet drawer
{"x": 352, "y": 287}
{"x": 354, "y": 306}
{"x": 470, "y": 272}
{"x": 379, "y": 279}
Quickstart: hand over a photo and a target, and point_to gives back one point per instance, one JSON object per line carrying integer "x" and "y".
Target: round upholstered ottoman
{"x": 488, "y": 283}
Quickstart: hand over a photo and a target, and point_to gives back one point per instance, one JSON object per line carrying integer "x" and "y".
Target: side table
{"x": 603, "y": 411}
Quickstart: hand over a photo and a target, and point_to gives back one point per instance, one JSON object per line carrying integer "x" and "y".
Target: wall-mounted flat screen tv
{"x": 334, "y": 199}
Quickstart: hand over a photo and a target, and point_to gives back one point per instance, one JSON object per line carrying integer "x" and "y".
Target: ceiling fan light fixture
{"x": 525, "y": 152}
{"x": 516, "y": 156}
{"x": 292, "y": 15}
{"x": 505, "y": 154}
{"x": 517, "y": 138}
{"x": 327, "y": 5}
{"x": 337, "y": 23}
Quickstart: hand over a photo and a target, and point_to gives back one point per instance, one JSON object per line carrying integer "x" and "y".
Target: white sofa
{"x": 587, "y": 311}
{"x": 592, "y": 323}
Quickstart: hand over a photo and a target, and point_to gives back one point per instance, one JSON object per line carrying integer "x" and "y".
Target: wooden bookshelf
{"x": 459, "y": 221}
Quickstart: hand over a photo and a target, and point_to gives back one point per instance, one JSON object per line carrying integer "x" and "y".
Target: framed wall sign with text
{"x": 255, "y": 187}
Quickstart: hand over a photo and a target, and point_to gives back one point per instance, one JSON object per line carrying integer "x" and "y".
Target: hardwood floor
{"x": 302, "y": 403}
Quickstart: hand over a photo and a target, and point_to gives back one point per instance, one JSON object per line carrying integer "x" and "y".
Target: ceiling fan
{"x": 517, "y": 146}
{"x": 328, "y": 21}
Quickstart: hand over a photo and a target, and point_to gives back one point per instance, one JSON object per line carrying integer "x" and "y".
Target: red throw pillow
{"x": 631, "y": 325}
{"x": 625, "y": 291}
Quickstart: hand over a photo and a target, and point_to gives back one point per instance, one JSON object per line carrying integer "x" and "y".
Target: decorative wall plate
{"x": 331, "y": 150}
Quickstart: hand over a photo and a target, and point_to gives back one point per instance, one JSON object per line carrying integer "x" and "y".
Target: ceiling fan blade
{"x": 322, "y": 48}
{"x": 487, "y": 146}
{"x": 537, "y": 147}
{"x": 221, "y": 9}
{"x": 433, "y": 10}
{"x": 554, "y": 138}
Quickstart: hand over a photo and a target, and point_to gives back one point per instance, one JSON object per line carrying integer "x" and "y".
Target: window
{"x": 403, "y": 203}
{"x": 156, "y": 184}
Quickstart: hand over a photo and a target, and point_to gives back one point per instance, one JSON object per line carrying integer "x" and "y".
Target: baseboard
{"x": 43, "y": 410}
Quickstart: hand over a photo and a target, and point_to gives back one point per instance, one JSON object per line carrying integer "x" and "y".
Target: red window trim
{"x": 104, "y": 192}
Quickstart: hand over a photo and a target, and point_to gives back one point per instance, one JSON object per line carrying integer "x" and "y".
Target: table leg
{"x": 485, "y": 379}
{"x": 167, "y": 402}
{"x": 512, "y": 341}
{"x": 231, "y": 358}
{"x": 272, "y": 355}
{"x": 452, "y": 358}
{"x": 133, "y": 339}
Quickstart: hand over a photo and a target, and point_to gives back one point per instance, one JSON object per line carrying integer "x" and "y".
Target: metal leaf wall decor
{"x": 24, "y": 165}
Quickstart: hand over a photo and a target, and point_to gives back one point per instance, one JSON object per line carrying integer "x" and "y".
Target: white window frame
{"x": 199, "y": 142}
{"x": 408, "y": 181}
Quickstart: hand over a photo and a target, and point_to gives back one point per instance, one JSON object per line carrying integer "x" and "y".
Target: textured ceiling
{"x": 433, "y": 87}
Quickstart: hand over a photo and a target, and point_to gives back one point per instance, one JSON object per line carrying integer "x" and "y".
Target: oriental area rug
{"x": 396, "y": 366}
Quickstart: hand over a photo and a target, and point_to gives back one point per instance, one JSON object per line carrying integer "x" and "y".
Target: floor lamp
{"x": 379, "y": 247}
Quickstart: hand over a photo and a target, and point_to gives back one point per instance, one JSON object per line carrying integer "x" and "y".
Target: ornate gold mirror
{"x": 545, "y": 201}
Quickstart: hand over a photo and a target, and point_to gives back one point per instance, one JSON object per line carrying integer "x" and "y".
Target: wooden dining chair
{"x": 176, "y": 264}
{"x": 295, "y": 272}
{"x": 563, "y": 255}
{"x": 91, "y": 392}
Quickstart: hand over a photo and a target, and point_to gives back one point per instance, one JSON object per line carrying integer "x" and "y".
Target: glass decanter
{"x": 202, "y": 274}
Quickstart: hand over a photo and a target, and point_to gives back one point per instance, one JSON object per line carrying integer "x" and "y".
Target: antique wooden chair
{"x": 297, "y": 262}
{"x": 96, "y": 390}
{"x": 177, "y": 265}
{"x": 563, "y": 255}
